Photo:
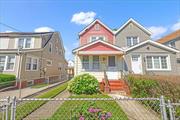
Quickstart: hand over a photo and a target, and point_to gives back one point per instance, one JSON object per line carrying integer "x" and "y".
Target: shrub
{"x": 84, "y": 84}
{"x": 7, "y": 77}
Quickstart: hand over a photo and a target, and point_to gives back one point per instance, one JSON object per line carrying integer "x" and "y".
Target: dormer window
{"x": 132, "y": 41}
{"x": 172, "y": 44}
{"x": 97, "y": 27}
{"x": 24, "y": 43}
{"x": 93, "y": 38}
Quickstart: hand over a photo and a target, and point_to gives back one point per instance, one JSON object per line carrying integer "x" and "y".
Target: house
{"x": 128, "y": 49}
{"x": 70, "y": 70}
{"x": 33, "y": 57}
{"x": 172, "y": 40}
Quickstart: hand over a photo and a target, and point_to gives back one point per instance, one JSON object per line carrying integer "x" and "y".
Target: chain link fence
{"x": 123, "y": 108}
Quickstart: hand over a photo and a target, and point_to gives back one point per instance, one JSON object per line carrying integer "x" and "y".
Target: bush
{"x": 7, "y": 77}
{"x": 84, "y": 84}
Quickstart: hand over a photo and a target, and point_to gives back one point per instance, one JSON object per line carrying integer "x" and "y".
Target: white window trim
{"x": 155, "y": 69}
{"x": 24, "y": 42}
{"x": 49, "y": 61}
{"x": 5, "y": 64}
{"x": 90, "y": 40}
{"x": 32, "y": 57}
{"x": 132, "y": 40}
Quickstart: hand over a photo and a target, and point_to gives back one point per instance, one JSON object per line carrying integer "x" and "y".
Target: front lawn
{"x": 72, "y": 109}
{"x": 26, "y": 108}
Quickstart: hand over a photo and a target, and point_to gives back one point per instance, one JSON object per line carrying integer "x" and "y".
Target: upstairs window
{"x": 24, "y": 43}
{"x": 97, "y": 27}
{"x": 31, "y": 63}
{"x": 93, "y": 38}
{"x": 172, "y": 44}
{"x": 132, "y": 41}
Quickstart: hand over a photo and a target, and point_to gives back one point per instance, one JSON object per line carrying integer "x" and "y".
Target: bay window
{"x": 157, "y": 63}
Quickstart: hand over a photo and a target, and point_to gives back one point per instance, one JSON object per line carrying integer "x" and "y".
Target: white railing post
{"x": 163, "y": 108}
{"x": 7, "y": 107}
{"x": 13, "y": 108}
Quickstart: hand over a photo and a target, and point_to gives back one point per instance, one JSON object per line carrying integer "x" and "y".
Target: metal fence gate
{"x": 77, "y": 108}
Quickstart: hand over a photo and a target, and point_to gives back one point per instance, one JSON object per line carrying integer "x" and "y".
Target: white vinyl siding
{"x": 31, "y": 64}
{"x": 157, "y": 63}
{"x": 7, "y": 63}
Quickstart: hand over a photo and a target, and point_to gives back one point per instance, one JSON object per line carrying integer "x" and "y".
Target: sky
{"x": 69, "y": 17}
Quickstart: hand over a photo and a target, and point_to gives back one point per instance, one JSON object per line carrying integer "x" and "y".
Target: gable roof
{"x": 97, "y": 41}
{"x": 92, "y": 23}
{"x": 136, "y": 23}
{"x": 154, "y": 43}
{"x": 169, "y": 37}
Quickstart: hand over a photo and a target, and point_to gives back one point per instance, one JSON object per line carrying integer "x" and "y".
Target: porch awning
{"x": 100, "y": 52}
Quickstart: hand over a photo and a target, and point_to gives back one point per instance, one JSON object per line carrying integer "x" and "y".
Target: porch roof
{"x": 99, "y": 47}
{"x": 100, "y": 53}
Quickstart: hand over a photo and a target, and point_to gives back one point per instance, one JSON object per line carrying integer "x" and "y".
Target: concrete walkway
{"x": 135, "y": 110}
{"x": 25, "y": 92}
{"x": 48, "y": 109}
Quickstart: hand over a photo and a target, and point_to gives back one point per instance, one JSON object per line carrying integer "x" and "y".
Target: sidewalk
{"x": 25, "y": 92}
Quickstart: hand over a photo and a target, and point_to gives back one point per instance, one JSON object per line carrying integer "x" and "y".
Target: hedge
{"x": 7, "y": 77}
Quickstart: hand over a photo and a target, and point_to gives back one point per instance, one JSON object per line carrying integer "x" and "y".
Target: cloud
{"x": 83, "y": 18}
{"x": 8, "y": 31}
{"x": 157, "y": 31}
{"x": 44, "y": 29}
{"x": 176, "y": 26}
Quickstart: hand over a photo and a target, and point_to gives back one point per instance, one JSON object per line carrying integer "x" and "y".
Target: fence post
{"x": 170, "y": 110}
{"x": 163, "y": 108}
{"x": 13, "y": 108}
{"x": 7, "y": 107}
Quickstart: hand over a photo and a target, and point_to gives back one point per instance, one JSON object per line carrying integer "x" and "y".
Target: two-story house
{"x": 172, "y": 40}
{"x": 33, "y": 57}
{"x": 126, "y": 50}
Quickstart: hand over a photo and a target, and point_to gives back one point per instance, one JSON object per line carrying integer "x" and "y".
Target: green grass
{"x": 26, "y": 108}
{"x": 68, "y": 108}
{"x": 39, "y": 85}
{"x": 6, "y": 80}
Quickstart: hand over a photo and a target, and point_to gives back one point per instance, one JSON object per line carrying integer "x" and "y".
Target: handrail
{"x": 107, "y": 85}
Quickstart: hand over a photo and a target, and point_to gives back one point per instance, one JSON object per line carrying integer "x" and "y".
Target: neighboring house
{"x": 33, "y": 57}
{"x": 172, "y": 40}
{"x": 70, "y": 70}
{"x": 126, "y": 50}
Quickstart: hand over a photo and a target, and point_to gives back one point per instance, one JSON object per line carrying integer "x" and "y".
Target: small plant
{"x": 89, "y": 111}
{"x": 84, "y": 84}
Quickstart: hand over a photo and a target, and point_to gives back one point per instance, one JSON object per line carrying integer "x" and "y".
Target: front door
{"x": 136, "y": 63}
{"x": 112, "y": 72}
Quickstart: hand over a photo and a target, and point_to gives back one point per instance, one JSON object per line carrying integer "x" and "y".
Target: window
{"x": 31, "y": 63}
{"x": 172, "y": 44}
{"x": 135, "y": 57}
{"x": 50, "y": 47}
{"x": 97, "y": 27}
{"x": 49, "y": 62}
{"x": 93, "y": 38}
{"x": 7, "y": 62}
{"x": 95, "y": 62}
{"x": 10, "y": 62}
{"x": 24, "y": 43}
{"x": 111, "y": 61}
{"x": 157, "y": 62}
{"x": 178, "y": 60}
{"x": 132, "y": 41}
{"x": 2, "y": 62}
{"x": 85, "y": 62}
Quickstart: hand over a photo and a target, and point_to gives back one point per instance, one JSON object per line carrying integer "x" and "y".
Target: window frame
{"x": 50, "y": 47}
{"x": 95, "y": 62}
{"x": 50, "y": 62}
{"x": 6, "y": 60}
{"x": 104, "y": 38}
{"x": 32, "y": 59}
{"x": 24, "y": 42}
{"x": 85, "y": 62}
{"x": 114, "y": 61}
{"x": 131, "y": 41}
{"x": 160, "y": 63}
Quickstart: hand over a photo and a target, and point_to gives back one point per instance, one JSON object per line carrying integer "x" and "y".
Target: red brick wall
{"x": 39, "y": 81}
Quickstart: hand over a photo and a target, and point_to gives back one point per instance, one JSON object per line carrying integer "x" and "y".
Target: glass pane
{"x": 156, "y": 62}
{"x": 95, "y": 62}
{"x": 93, "y": 38}
{"x": 135, "y": 57}
{"x": 149, "y": 62}
{"x": 85, "y": 62}
{"x": 20, "y": 43}
{"x": 11, "y": 59}
{"x": 164, "y": 62}
{"x": 28, "y": 43}
{"x": 2, "y": 58}
{"x": 128, "y": 41}
{"x": 28, "y": 63}
{"x": 135, "y": 41}
{"x": 101, "y": 38}
{"x": 2, "y": 66}
{"x": 111, "y": 61}
{"x": 10, "y": 66}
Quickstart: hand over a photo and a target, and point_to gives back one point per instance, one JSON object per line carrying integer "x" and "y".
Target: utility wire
{"x": 10, "y": 27}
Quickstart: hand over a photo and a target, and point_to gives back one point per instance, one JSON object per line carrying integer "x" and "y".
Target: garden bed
{"x": 74, "y": 109}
